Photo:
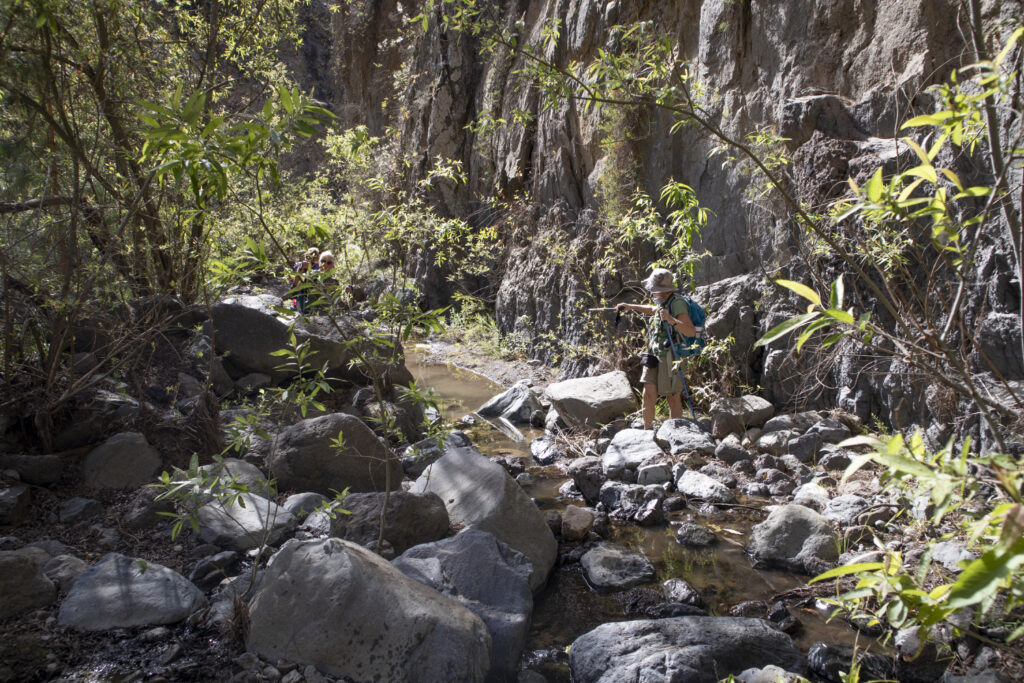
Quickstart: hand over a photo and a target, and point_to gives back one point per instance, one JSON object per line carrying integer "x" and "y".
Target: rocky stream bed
{"x": 543, "y": 536}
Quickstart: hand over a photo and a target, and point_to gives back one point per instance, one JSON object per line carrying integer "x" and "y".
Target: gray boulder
{"x": 613, "y": 568}
{"x": 804, "y": 448}
{"x": 588, "y": 475}
{"x": 64, "y": 570}
{"x": 15, "y": 505}
{"x": 799, "y": 422}
{"x": 775, "y": 443}
{"x": 23, "y": 584}
{"x": 488, "y": 578}
{"x": 576, "y": 523}
{"x": 234, "y": 471}
{"x": 248, "y": 522}
{"x": 691, "y": 649}
{"x": 307, "y": 459}
{"x": 679, "y": 591}
{"x": 695, "y": 535}
{"x": 40, "y": 470}
{"x": 628, "y": 449}
{"x": 350, "y": 613}
{"x": 655, "y": 473}
{"x": 830, "y": 430}
{"x": 698, "y": 485}
{"x": 950, "y": 554}
{"x": 617, "y": 494}
{"x": 78, "y": 509}
{"x": 248, "y": 332}
{"x": 590, "y": 402}
{"x": 729, "y": 450}
{"x": 796, "y": 538}
{"x": 547, "y": 450}
{"x": 480, "y": 494}
{"x": 144, "y": 510}
{"x": 411, "y": 519}
{"x": 125, "y": 460}
{"x": 682, "y": 437}
{"x": 301, "y": 504}
{"x": 516, "y": 405}
{"x": 121, "y": 592}
{"x": 734, "y": 415}
{"x": 845, "y": 509}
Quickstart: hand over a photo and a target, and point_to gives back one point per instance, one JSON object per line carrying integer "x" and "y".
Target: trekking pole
{"x": 675, "y": 359}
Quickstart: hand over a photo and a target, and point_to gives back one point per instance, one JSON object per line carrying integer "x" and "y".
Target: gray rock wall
{"x": 834, "y": 77}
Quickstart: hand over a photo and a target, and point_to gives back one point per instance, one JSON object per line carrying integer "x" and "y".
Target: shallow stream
{"x": 567, "y": 608}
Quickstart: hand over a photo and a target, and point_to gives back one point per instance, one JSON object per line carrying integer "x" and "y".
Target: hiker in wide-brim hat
{"x": 659, "y": 377}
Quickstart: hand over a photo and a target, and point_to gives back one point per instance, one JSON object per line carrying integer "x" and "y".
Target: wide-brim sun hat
{"x": 660, "y": 280}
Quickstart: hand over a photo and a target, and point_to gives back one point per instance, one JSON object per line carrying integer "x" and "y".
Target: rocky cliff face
{"x": 836, "y": 78}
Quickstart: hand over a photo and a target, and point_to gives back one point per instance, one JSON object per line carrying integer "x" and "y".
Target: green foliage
{"x": 895, "y": 593}
{"x": 472, "y": 323}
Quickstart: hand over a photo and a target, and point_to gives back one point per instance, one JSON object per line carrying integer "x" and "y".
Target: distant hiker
{"x": 326, "y": 284}
{"x": 300, "y": 272}
{"x": 659, "y": 378}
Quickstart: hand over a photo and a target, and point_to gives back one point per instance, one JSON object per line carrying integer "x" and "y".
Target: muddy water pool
{"x": 568, "y": 607}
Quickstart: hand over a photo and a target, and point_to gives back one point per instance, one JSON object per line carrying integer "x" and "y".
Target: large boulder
{"x": 480, "y": 494}
{"x": 592, "y": 401}
{"x": 691, "y": 649}
{"x": 246, "y": 522}
{"x": 411, "y": 519}
{"x": 734, "y": 415}
{"x": 249, "y": 331}
{"x": 628, "y": 449}
{"x": 351, "y": 613}
{"x": 796, "y": 538}
{"x": 307, "y": 457}
{"x": 611, "y": 567}
{"x": 121, "y": 592}
{"x": 23, "y": 584}
{"x": 125, "y": 460}
{"x": 516, "y": 405}
{"x": 489, "y": 578}
{"x": 683, "y": 437}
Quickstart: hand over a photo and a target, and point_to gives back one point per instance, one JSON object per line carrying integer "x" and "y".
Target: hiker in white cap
{"x": 659, "y": 377}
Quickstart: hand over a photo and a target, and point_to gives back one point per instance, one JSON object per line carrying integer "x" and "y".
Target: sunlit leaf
{"x": 801, "y": 289}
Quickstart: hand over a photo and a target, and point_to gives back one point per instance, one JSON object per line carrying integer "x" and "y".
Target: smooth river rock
{"x": 796, "y": 538}
{"x": 611, "y": 567}
{"x": 120, "y": 592}
{"x": 690, "y": 649}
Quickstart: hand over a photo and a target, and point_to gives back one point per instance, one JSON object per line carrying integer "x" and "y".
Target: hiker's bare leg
{"x": 650, "y": 400}
{"x": 675, "y": 406}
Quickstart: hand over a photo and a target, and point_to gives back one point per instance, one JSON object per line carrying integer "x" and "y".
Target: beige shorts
{"x": 665, "y": 376}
